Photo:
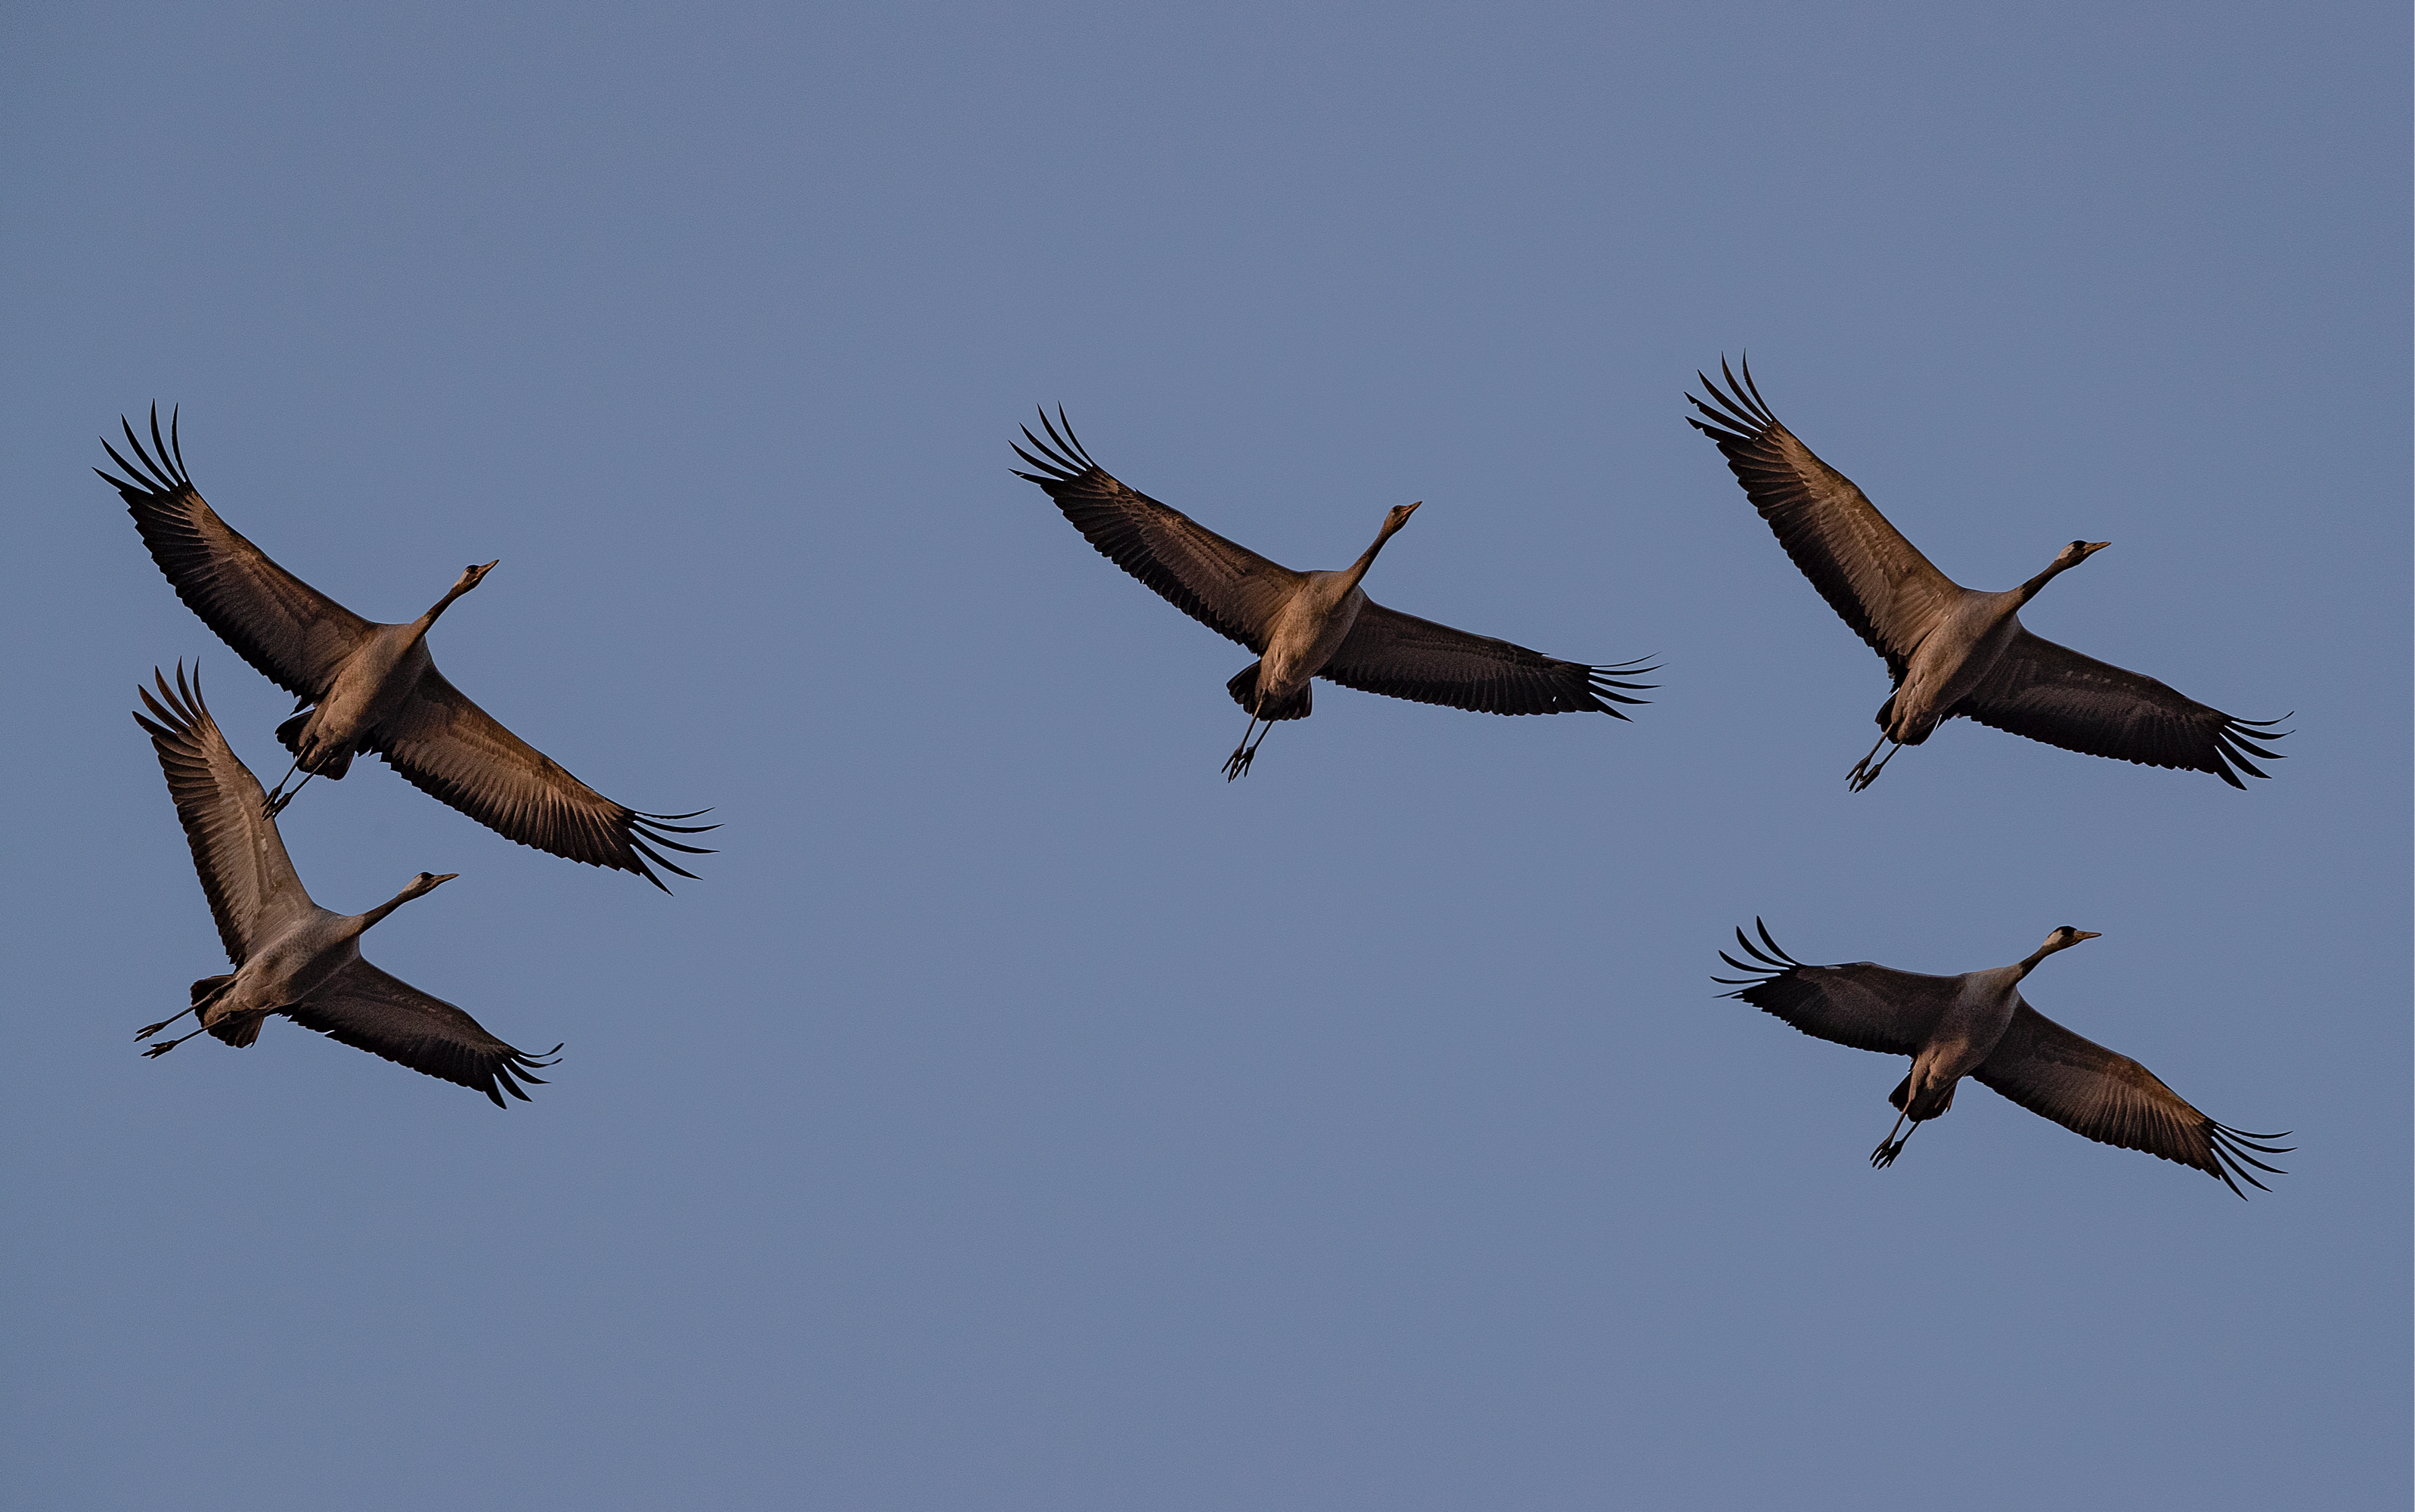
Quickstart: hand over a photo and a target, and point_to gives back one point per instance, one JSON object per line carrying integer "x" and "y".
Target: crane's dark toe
{"x": 158, "y": 1050}
{"x": 1864, "y": 773}
{"x": 149, "y": 1029}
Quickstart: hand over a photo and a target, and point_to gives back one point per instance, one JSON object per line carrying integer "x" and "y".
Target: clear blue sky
{"x": 1015, "y": 1115}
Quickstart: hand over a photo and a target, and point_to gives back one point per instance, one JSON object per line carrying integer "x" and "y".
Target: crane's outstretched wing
{"x": 368, "y": 1010}
{"x": 462, "y": 756}
{"x": 1873, "y": 578}
{"x": 1227, "y": 587}
{"x": 253, "y": 891}
{"x": 1401, "y": 656}
{"x": 1864, "y": 1005}
{"x": 291, "y": 632}
{"x": 2113, "y": 1099}
{"x": 2053, "y": 693}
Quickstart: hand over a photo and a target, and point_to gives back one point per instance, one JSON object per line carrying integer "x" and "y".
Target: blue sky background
{"x": 1016, "y": 1116}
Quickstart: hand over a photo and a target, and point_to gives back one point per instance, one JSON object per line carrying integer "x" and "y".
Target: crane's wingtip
{"x": 1061, "y": 458}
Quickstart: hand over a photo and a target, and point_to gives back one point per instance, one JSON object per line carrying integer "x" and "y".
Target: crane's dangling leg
{"x": 275, "y": 804}
{"x": 1864, "y": 773}
{"x": 1238, "y": 764}
{"x": 271, "y": 808}
{"x": 150, "y": 1029}
{"x": 233, "y": 1025}
{"x": 166, "y": 1045}
{"x": 1891, "y": 1146}
{"x": 201, "y": 1001}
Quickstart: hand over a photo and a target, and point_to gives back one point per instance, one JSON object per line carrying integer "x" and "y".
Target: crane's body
{"x": 291, "y": 956}
{"x": 362, "y": 686}
{"x": 1305, "y": 632}
{"x": 1307, "y": 624}
{"x": 290, "y": 967}
{"x": 1977, "y": 1026}
{"x": 371, "y": 689}
{"x": 1954, "y": 651}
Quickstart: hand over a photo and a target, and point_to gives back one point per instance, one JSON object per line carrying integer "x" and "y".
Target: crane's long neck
{"x": 1366, "y": 558}
{"x": 2029, "y": 590}
{"x": 419, "y": 888}
{"x": 2054, "y": 943}
{"x": 467, "y": 581}
{"x": 2062, "y": 564}
{"x": 419, "y": 626}
{"x": 374, "y": 916}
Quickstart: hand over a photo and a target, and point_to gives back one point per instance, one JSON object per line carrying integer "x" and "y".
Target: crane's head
{"x": 471, "y": 577}
{"x": 418, "y": 887}
{"x": 1398, "y": 516}
{"x": 2064, "y": 938}
{"x": 2077, "y": 552}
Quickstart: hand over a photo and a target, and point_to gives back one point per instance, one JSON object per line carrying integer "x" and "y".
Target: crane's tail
{"x": 238, "y": 1029}
{"x": 1930, "y": 1107}
{"x": 1244, "y": 689}
{"x": 331, "y": 765}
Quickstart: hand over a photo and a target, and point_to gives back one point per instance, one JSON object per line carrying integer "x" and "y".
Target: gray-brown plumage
{"x": 1307, "y": 624}
{"x": 1951, "y": 651}
{"x": 1978, "y": 1025}
{"x": 291, "y": 956}
{"x": 361, "y": 686}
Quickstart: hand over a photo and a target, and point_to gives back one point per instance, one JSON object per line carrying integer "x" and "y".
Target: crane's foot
{"x": 274, "y": 804}
{"x": 1884, "y": 1155}
{"x": 166, "y": 1045}
{"x": 1864, "y": 773}
{"x": 1238, "y": 764}
{"x": 149, "y": 1029}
